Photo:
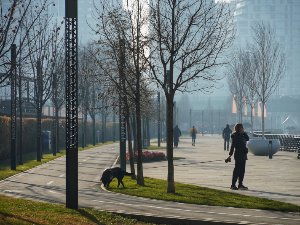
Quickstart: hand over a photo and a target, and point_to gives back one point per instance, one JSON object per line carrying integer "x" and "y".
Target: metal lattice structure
{"x": 71, "y": 83}
{"x": 158, "y": 122}
{"x": 39, "y": 110}
{"x": 71, "y": 40}
{"x": 13, "y": 150}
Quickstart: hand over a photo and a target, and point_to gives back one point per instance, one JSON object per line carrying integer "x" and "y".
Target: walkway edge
{"x": 172, "y": 220}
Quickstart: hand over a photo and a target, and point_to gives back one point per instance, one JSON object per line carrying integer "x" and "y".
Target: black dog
{"x": 109, "y": 174}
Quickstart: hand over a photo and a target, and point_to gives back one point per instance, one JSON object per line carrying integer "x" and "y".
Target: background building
{"x": 284, "y": 16}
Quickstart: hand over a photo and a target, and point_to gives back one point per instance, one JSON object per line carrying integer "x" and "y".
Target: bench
{"x": 288, "y": 142}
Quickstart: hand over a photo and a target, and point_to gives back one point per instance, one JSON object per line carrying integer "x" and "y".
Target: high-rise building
{"x": 284, "y": 17}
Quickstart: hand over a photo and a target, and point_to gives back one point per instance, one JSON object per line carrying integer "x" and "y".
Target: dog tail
{"x": 128, "y": 174}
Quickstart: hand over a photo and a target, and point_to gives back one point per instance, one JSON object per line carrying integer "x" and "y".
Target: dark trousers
{"x": 226, "y": 141}
{"x": 176, "y": 142}
{"x": 239, "y": 172}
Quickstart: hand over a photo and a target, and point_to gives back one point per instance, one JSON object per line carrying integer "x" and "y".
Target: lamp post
{"x": 122, "y": 110}
{"x": 202, "y": 122}
{"x": 71, "y": 40}
{"x": 190, "y": 118}
{"x": 13, "y": 151}
{"x": 158, "y": 121}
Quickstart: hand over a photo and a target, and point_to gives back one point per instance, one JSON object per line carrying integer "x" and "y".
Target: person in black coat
{"x": 226, "y": 136}
{"x": 176, "y": 135}
{"x": 238, "y": 146}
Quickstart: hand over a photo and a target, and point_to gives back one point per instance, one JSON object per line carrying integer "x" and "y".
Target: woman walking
{"x": 238, "y": 146}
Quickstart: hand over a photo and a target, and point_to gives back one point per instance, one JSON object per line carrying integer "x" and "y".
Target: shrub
{"x": 149, "y": 156}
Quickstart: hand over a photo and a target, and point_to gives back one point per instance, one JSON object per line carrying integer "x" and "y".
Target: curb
{"x": 172, "y": 220}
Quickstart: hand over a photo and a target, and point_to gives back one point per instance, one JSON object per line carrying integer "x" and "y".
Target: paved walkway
{"x": 277, "y": 178}
{"x": 203, "y": 165}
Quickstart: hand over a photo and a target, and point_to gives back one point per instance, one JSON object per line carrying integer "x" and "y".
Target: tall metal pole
{"x": 13, "y": 150}
{"x": 39, "y": 111}
{"x": 202, "y": 122}
{"x": 219, "y": 122}
{"x": 103, "y": 122}
{"x": 122, "y": 109}
{"x": 114, "y": 131}
{"x": 167, "y": 111}
{"x": 158, "y": 122}
{"x": 190, "y": 118}
{"x": 94, "y": 116}
{"x": 212, "y": 126}
{"x": 71, "y": 40}
{"x": 54, "y": 135}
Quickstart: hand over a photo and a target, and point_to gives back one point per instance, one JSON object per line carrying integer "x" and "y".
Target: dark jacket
{"x": 176, "y": 132}
{"x": 226, "y": 133}
{"x": 239, "y": 144}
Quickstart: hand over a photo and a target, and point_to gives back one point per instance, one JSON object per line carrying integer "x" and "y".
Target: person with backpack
{"x": 193, "y": 131}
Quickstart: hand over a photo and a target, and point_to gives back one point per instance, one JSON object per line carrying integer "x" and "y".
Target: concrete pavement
{"x": 277, "y": 178}
{"x": 47, "y": 183}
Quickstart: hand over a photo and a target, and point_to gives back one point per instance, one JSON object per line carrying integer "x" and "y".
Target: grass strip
{"x": 29, "y": 161}
{"x": 186, "y": 193}
{"x": 152, "y": 147}
{"x": 19, "y": 211}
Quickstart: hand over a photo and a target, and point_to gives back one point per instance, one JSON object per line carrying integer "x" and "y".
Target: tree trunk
{"x": 140, "y": 176}
{"x": 171, "y": 185}
{"x": 148, "y": 133}
{"x": 94, "y": 129}
{"x": 57, "y": 128}
{"x": 131, "y": 158}
{"x": 134, "y": 134}
{"x": 85, "y": 123}
{"x": 241, "y": 114}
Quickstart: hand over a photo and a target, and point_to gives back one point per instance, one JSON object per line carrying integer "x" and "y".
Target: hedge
{"x": 29, "y": 133}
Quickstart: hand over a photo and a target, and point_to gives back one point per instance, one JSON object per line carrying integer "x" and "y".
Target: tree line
{"x": 142, "y": 48}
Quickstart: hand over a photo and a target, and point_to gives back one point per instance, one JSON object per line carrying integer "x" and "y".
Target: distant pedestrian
{"x": 193, "y": 131}
{"x": 238, "y": 146}
{"x": 226, "y": 136}
{"x": 176, "y": 135}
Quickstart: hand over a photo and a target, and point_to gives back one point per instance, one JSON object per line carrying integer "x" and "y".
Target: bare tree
{"x": 116, "y": 25}
{"x": 41, "y": 56}
{"x": 237, "y": 75}
{"x": 187, "y": 40}
{"x": 11, "y": 22}
{"x": 251, "y": 82}
{"x": 269, "y": 60}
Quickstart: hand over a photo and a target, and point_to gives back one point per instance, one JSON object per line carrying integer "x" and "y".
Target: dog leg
{"x": 122, "y": 183}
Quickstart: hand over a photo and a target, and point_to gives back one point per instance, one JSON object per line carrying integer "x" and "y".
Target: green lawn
{"x": 151, "y": 147}
{"x": 29, "y": 161}
{"x": 19, "y": 211}
{"x": 156, "y": 189}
